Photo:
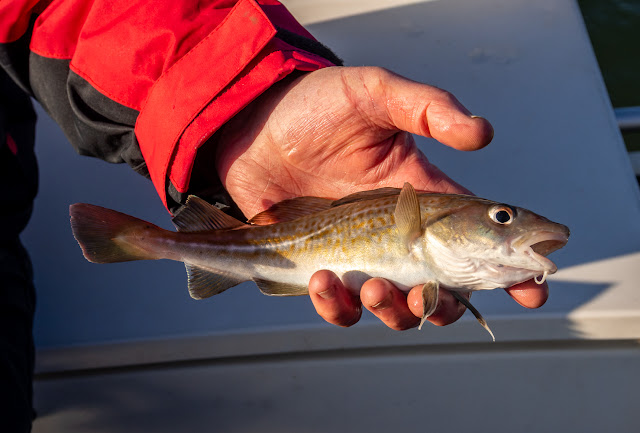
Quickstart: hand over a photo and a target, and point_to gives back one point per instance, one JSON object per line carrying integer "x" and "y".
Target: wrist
{"x": 243, "y": 130}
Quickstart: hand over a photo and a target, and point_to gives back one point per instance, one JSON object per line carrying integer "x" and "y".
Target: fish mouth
{"x": 539, "y": 245}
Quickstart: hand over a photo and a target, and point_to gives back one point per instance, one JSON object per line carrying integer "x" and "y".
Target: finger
{"x": 448, "y": 310}
{"x": 428, "y": 111}
{"x": 333, "y": 302}
{"x": 388, "y": 304}
{"x": 529, "y": 294}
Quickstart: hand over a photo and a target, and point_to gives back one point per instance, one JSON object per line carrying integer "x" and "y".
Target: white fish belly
{"x": 404, "y": 274}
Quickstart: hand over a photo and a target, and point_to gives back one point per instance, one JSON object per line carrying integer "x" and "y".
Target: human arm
{"x": 154, "y": 86}
{"x": 149, "y": 82}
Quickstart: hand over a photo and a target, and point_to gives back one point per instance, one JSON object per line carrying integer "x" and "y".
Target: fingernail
{"x": 473, "y": 116}
{"x": 327, "y": 294}
{"x": 384, "y": 304}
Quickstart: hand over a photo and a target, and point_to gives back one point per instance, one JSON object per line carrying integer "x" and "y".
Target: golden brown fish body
{"x": 461, "y": 243}
{"x": 356, "y": 241}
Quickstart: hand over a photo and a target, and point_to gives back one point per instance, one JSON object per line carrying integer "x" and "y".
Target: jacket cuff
{"x": 173, "y": 123}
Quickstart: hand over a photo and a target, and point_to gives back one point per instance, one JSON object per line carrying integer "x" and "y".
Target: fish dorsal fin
{"x": 366, "y": 195}
{"x": 198, "y": 215}
{"x": 407, "y": 215}
{"x": 291, "y": 209}
{"x": 204, "y": 283}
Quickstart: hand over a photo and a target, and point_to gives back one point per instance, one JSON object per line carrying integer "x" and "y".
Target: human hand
{"x": 340, "y": 130}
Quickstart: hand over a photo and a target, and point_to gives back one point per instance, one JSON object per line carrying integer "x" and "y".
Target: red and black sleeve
{"x": 149, "y": 82}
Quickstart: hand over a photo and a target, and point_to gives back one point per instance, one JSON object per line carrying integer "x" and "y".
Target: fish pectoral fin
{"x": 291, "y": 209}
{"x": 429, "y": 300}
{"x": 273, "y": 288}
{"x": 464, "y": 301}
{"x": 197, "y": 215}
{"x": 204, "y": 283}
{"x": 407, "y": 215}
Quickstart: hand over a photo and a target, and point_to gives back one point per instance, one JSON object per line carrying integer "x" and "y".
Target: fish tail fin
{"x": 108, "y": 236}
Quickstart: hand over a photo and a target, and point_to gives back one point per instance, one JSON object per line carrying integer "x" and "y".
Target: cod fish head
{"x": 493, "y": 245}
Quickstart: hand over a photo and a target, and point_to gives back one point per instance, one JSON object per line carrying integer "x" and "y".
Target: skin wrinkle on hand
{"x": 417, "y": 115}
{"x": 317, "y": 127}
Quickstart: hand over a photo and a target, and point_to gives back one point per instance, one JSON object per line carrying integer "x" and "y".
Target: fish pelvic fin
{"x": 429, "y": 300}
{"x": 204, "y": 283}
{"x": 407, "y": 215}
{"x": 464, "y": 301}
{"x": 197, "y": 215}
{"x": 108, "y": 236}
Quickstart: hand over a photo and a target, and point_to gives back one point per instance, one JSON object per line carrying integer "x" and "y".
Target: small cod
{"x": 456, "y": 242}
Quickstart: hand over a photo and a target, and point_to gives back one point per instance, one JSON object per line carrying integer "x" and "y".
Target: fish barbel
{"x": 457, "y": 242}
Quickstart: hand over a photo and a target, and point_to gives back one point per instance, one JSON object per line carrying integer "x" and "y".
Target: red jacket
{"x": 148, "y": 82}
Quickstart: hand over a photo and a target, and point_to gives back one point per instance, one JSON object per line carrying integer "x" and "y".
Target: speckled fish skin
{"x": 356, "y": 241}
{"x": 459, "y": 245}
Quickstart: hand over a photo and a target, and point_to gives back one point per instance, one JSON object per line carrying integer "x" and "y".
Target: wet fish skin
{"x": 448, "y": 241}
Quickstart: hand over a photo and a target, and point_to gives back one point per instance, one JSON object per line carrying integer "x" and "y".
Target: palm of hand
{"x": 325, "y": 135}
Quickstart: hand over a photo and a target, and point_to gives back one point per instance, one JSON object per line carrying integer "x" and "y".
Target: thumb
{"x": 428, "y": 111}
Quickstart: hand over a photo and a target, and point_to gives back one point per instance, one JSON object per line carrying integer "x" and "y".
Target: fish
{"x": 460, "y": 243}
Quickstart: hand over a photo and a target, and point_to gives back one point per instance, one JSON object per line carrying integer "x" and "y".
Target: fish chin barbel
{"x": 455, "y": 242}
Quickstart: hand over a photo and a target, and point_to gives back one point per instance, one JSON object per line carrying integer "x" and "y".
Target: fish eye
{"x": 502, "y": 214}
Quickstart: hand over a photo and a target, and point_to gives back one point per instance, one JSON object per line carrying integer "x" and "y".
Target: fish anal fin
{"x": 204, "y": 283}
{"x": 197, "y": 215}
{"x": 429, "y": 300}
{"x": 464, "y": 301}
{"x": 407, "y": 215}
{"x": 291, "y": 209}
{"x": 273, "y": 288}
{"x": 366, "y": 195}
